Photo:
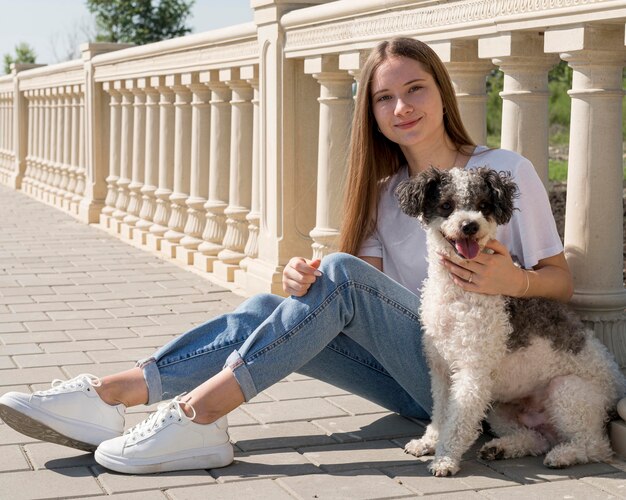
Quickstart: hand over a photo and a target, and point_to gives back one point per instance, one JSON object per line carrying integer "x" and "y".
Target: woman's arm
{"x": 377, "y": 262}
{"x": 495, "y": 274}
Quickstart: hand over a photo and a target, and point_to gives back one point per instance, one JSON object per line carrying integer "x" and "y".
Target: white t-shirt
{"x": 530, "y": 235}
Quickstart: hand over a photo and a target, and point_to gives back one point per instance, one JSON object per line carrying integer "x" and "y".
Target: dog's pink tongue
{"x": 467, "y": 248}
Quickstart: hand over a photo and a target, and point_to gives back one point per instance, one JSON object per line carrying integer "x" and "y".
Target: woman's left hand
{"x": 489, "y": 273}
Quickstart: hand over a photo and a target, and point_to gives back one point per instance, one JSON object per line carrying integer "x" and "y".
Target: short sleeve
{"x": 371, "y": 247}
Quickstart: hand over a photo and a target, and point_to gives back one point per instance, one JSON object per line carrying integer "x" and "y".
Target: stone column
{"x": 166, "y": 163}
{"x": 65, "y": 195}
{"x": 31, "y": 138}
{"x": 182, "y": 166}
{"x": 126, "y": 154}
{"x": 251, "y": 250}
{"x": 59, "y": 168}
{"x": 240, "y": 186}
{"x": 115, "y": 130}
{"x": 151, "y": 177}
{"x": 219, "y": 160}
{"x": 42, "y": 143}
{"x": 74, "y": 147}
{"x": 525, "y": 96}
{"x": 469, "y": 75}
{"x": 138, "y": 163}
{"x": 289, "y": 117}
{"x": 199, "y": 180}
{"x": 336, "y": 109}
{"x": 90, "y": 207}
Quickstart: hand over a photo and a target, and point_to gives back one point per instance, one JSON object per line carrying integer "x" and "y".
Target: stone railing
{"x": 226, "y": 150}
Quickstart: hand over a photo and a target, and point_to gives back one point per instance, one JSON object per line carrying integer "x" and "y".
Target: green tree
{"x": 24, "y": 53}
{"x": 140, "y": 21}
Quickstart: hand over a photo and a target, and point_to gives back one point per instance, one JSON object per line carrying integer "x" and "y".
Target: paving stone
{"x": 277, "y": 463}
{"x": 139, "y": 342}
{"x": 303, "y": 389}
{"x": 127, "y": 312}
{"x": 158, "y": 330}
{"x": 285, "y": 435}
{"x": 54, "y": 306}
{"x": 9, "y": 435}
{"x": 62, "y": 358}
{"x": 21, "y": 317}
{"x": 283, "y": 411}
{"x": 355, "y": 405}
{"x": 102, "y": 333}
{"x": 12, "y": 328}
{"x": 177, "y": 319}
{"x": 31, "y": 291}
{"x": 30, "y": 375}
{"x": 353, "y": 456}
{"x": 119, "y": 483}
{"x": 473, "y": 476}
{"x": 97, "y": 369}
{"x": 239, "y": 417}
{"x": 81, "y": 345}
{"x": 86, "y": 314}
{"x": 6, "y": 363}
{"x": 40, "y": 484}
{"x": 33, "y": 338}
{"x": 264, "y": 489}
{"x": 615, "y": 484}
{"x": 101, "y": 304}
{"x": 11, "y": 350}
{"x": 369, "y": 427}
{"x": 120, "y": 322}
{"x": 569, "y": 489}
{"x": 141, "y": 495}
{"x": 51, "y": 326}
{"x": 53, "y": 456}
{"x": 116, "y": 355}
{"x": 75, "y": 297}
{"x": 12, "y": 459}
{"x": 368, "y": 484}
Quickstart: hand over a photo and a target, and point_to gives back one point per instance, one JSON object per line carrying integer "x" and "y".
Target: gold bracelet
{"x": 527, "y": 282}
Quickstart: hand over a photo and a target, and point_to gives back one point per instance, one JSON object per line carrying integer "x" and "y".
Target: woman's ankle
{"x": 127, "y": 388}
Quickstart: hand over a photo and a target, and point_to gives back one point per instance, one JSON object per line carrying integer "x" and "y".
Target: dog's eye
{"x": 446, "y": 208}
{"x": 484, "y": 206}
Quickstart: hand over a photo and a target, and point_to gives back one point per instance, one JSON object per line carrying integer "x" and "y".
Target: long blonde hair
{"x": 372, "y": 157}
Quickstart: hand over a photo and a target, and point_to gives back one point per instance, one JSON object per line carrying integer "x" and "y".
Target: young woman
{"x": 351, "y": 319}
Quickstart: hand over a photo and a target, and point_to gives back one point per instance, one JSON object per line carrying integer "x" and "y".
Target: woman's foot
{"x": 168, "y": 440}
{"x": 71, "y": 413}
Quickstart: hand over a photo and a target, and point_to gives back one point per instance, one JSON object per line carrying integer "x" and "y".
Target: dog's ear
{"x": 418, "y": 193}
{"x": 503, "y": 191}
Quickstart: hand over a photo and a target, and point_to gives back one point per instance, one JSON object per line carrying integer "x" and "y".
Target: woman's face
{"x": 406, "y": 103}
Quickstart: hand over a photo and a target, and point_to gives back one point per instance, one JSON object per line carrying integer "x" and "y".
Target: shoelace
{"x": 78, "y": 382}
{"x": 165, "y": 412}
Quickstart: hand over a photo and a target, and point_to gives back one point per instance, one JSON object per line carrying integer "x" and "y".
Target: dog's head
{"x": 464, "y": 207}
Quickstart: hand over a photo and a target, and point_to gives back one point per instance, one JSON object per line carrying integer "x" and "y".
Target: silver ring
{"x": 469, "y": 280}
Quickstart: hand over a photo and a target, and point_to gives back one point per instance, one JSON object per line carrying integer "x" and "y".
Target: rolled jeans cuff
{"x": 242, "y": 374}
{"x": 153, "y": 379}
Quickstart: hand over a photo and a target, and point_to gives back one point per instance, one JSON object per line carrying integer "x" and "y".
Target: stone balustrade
{"x": 226, "y": 150}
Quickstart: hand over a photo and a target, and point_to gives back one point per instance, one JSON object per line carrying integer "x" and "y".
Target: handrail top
{"x": 74, "y": 64}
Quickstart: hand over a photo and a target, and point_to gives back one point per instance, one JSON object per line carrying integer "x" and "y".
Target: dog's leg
{"x": 470, "y": 394}
{"x": 440, "y": 389}
{"x": 515, "y": 440}
{"x": 577, "y": 409}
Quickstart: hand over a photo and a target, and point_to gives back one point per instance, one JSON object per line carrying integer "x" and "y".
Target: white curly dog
{"x": 547, "y": 383}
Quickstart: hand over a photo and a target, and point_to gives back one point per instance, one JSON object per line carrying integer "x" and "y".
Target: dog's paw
{"x": 561, "y": 457}
{"x": 492, "y": 452}
{"x": 419, "y": 448}
{"x": 444, "y": 466}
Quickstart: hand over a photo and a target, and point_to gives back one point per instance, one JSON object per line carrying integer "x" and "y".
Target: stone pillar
{"x": 138, "y": 164}
{"x": 151, "y": 173}
{"x": 182, "y": 166}
{"x": 219, "y": 160}
{"x": 239, "y": 184}
{"x": 335, "y": 112}
{"x": 115, "y": 118}
{"x": 126, "y": 154}
{"x": 166, "y": 163}
{"x": 289, "y": 117}
{"x": 594, "y": 223}
{"x": 525, "y": 96}
{"x": 199, "y": 181}
{"x": 468, "y": 74}
{"x": 251, "y": 250}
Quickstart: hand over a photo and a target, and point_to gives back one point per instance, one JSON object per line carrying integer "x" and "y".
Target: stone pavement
{"x": 74, "y": 299}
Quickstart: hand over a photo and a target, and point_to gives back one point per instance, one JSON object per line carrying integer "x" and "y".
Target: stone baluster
{"x": 199, "y": 179}
{"x": 82, "y": 144}
{"x": 55, "y": 192}
{"x": 468, "y": 74}
{"x": 219, "y": 159}
{"x": 65, "y": 195}
{"x": 33, "y": 187}
{"x": 151, "y": 173}
{"x": 53, "y": 131}
{"x": 251, "y": 250}
{"x": 138, "y": 162}
{"x": 126, "y": 155}
{"x": 182, "y": 167}
{"x": 115, "y": 113}
{"x": 335, "y": 116}
{"x": 594, "y": 223}
{"x": 166, "y": 163}
{"x": 74, "y": 138}
{"x": 31, "y": 137}
{"x": 525, "y": 96}
{"x": 240, "y": 186}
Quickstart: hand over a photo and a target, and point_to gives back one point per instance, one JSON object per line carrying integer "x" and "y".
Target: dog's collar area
{"x": 465, "y": 248}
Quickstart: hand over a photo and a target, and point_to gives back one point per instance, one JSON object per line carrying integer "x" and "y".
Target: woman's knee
{"x": 261, "y": 302}
{"x": 343, "y": 263}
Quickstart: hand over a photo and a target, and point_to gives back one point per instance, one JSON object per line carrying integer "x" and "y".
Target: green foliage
{"x": 140, "y": 21}
{"x": 24, "y": 54}
{"x": 495, "y": 83}
{"x": 559, "y": 82}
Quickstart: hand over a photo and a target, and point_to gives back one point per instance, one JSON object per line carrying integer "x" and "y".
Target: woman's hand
{"x": 489, "y": 273}
{"x": 299, "y": 274}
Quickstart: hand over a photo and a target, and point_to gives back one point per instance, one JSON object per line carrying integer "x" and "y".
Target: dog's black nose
{"x": 469, "y": 228}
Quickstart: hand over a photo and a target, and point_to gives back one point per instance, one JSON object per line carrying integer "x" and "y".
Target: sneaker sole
{"x": 220, "y": 456}
{"x": 33, "y": 428}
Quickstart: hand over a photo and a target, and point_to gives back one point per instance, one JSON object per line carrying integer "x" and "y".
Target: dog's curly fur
{"x": 547, "y": 383}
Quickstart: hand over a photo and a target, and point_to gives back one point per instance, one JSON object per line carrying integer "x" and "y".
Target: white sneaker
{"x": 168, "y": 440}
{"x": 71, "y": 413}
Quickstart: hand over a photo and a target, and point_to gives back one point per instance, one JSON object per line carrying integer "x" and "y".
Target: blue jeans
{"x": 356, "y": 328}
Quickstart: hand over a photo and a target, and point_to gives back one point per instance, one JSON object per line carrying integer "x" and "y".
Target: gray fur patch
{"x": 549, "y": 319}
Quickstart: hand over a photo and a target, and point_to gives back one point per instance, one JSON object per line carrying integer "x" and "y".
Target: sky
{"x": 53, "y": 27}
